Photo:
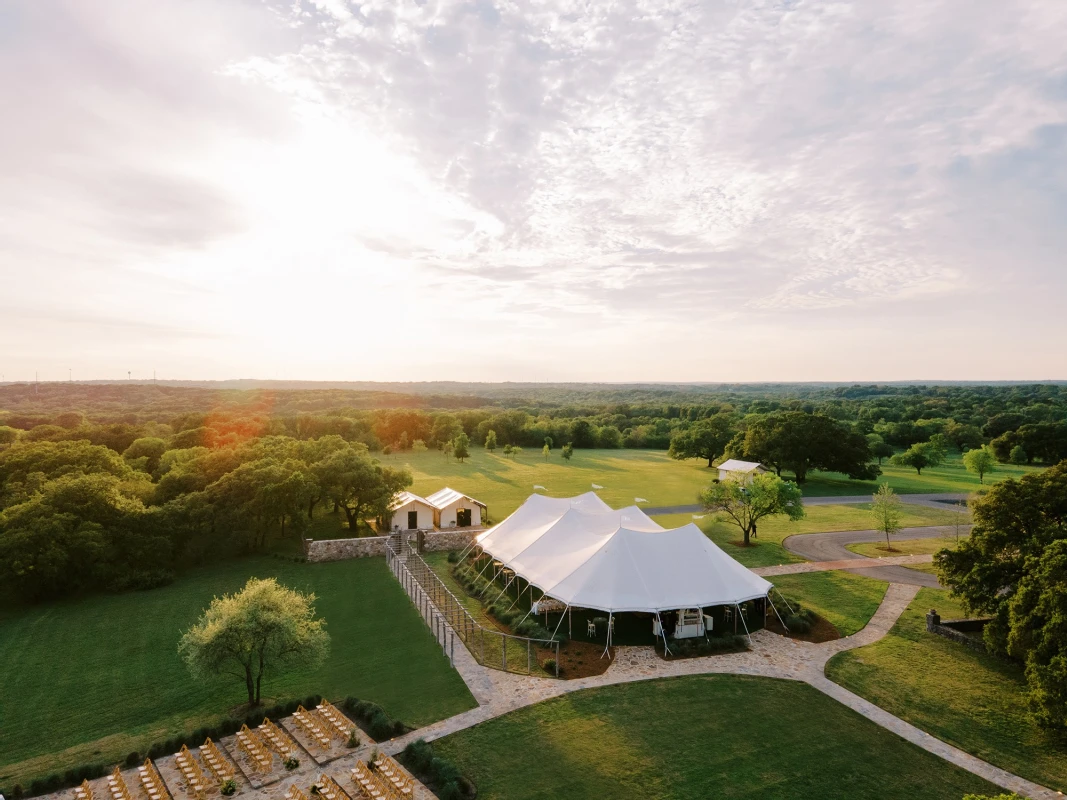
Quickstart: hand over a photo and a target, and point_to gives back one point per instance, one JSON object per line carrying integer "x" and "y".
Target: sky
{"x": 533, "y": 191}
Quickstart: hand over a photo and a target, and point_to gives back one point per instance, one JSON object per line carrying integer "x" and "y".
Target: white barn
{"x": 735, "y": 467}
{"x": 454, "y": 509}
{"x": 411, "y": 512}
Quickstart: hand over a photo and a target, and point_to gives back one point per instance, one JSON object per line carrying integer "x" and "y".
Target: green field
{"x": 949, "y": 477}
{"x": 698, "y": 737}
{"x": 768, "y": 549}
{"x": 848, "y": 601}
{"x": 968, "y": 699}
{"x": 92, "y": 679}
{"x": 905, "y": 547}
{"x": 503, "y": 483}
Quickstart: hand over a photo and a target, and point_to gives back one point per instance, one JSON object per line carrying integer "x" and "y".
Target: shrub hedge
{"x": 702, "y": 647}
{"x": 442, "y": 776}
{"x": 373, "y": 719}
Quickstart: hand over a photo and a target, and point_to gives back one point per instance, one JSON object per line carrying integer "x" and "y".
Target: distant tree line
{"x": 118, "y": 486}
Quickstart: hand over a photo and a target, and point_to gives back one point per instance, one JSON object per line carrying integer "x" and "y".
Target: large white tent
{"x": 582, "y": 553}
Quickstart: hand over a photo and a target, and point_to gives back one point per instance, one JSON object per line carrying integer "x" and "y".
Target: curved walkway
{"x": 770, "y": 656}
{"x": 823, "y": 547}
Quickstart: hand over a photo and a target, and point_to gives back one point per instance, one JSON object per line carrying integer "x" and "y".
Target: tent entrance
{"x": 413, "y": 520}
{"x": 463, "y": 517}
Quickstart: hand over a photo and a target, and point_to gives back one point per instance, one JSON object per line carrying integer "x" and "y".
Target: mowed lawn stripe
{"x": 699, "y": 737}
{"x": 107, "y": 666}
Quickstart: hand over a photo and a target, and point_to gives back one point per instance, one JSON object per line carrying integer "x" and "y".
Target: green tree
{"x": 507, "y": 450}
{"x": 490, "y": 441}
{"x": 8, "y": 435}
{"x": 582, "y": 434}
{"x": 1018, "y": 456}
{"x": 747, "y": 502}
{"x": 1037, "y": 633}
{"x": 265, "y": 626}
{"x": 1014, "y": 523}
{"x": 461, "y": 447}
{"x": 418, "y": 446}
{"x": 145, "y": 454}
{"x": 360, "y": 485}
{"x": 919, "y": 456}
{"x": 879, "y": 448}
{"x": 567, "y": 452}
{"x": 706, "y": 438}
{"x": 445, "y": 428}
{"x": 799, "y": 442}
{"x": 885, "y": 508}
{"x": 979, "y": 461}
{"x": 546, "y": 451}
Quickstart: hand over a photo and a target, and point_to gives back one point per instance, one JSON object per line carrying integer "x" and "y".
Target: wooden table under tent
{"x": 615, "y": 576}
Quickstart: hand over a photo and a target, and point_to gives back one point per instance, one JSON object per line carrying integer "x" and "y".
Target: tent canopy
{"x": 583, "y": 553}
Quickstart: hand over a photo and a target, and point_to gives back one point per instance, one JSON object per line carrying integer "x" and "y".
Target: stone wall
{"x": 367, "y": 546}
{"x": 954, "y": 629}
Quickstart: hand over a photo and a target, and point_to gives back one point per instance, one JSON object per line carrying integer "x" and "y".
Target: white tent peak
{"x": 583, "y": 553}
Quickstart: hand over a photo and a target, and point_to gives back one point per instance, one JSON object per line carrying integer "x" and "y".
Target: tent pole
{"x": 506, "y": 585}
{"x": 560, "y": 622}
{"x": 663, "y": 634}
{"x": 742, "y": 617}
{"x": 570, "y": 629}
{"x": 784, "y": 628}
{"x": 791, "y": 611}
{"x": 466, "y": 552}
{"x": 483, "y": 569}
{"x": 607, "y": 642}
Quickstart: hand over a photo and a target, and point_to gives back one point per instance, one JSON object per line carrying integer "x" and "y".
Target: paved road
{"x": 831, "y": 547}
{"x": 941, "y": 500}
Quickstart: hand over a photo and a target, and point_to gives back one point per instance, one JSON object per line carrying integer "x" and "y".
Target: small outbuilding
{"x": 411, "y": 512}
{"x": 734, "y": 468}
{"x": 454, "y": 509}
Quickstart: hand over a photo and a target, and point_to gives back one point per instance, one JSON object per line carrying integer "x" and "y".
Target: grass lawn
{"x": 817, "y": 519}
{"x": 698, "y": 737}
{"x": 848, "y": 601}
{"x": 968, "y": 699}
{"x": 503, "y": 483}
{"x": 905, "y": 547}
{"x": 949, "y": 477}
{"x": 92, "y": 679}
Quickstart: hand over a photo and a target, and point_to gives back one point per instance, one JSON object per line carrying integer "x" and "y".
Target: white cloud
{"x": 617, "y": 181}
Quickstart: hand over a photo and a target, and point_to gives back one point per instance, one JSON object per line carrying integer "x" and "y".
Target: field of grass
{"x": 698, "y": 737}
{"x": 968, "y": 699}
{"x": 904, "y": 547}
{"x": 503, "y": 483}
{"x": 949, "y": 477}
{"x": 768, "y": 549}
{"x": 92, "y": 679}
{"x": 848, "y": 601}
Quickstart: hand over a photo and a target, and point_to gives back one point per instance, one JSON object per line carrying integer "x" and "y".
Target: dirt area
{"x": 579, "y": 659}
{"x": 821, "y": 631}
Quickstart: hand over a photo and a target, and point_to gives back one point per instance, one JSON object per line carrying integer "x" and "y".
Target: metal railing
{"x": 448, "y": 618}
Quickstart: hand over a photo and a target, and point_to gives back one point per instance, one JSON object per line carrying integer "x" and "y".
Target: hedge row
{"x": 515, "y": 618}
{"x": 373, "y": 719}
{"x": 442, "y": 776}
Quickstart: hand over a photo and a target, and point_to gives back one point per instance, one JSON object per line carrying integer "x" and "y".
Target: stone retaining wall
{"x": 954, "y": 629}
{"x": 368, "y": 546}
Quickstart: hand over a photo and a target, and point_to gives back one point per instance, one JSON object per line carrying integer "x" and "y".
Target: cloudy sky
{"x": 498, "y": 190}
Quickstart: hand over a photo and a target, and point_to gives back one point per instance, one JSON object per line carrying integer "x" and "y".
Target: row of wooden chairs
{"x": 219, "y": 765}
{"x": 195, "y": 782}
{"x": 392, "y": 772}
{"x": 309, "y": 723}
{"x": 84, "y": 792}
{"x": 337, "y": 725}
{"x": 294, "y": 793}
{"x": 152, "y": 781}
{"x": 329, "y": 789}
{"x": 260, "y": 756}
{"x": 117, "y": 786}
{"x": 276, "y": 738}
